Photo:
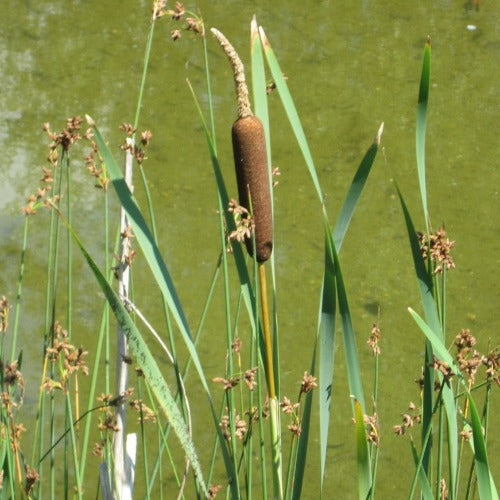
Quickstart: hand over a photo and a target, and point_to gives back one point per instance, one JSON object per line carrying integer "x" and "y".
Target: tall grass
{"x": 260, "y": 437}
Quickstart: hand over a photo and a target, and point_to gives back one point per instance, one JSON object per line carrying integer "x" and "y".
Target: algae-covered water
{"x": 349, "y": 68}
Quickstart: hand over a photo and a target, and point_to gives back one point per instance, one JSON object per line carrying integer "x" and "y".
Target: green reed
{"x": 249, "y": 455}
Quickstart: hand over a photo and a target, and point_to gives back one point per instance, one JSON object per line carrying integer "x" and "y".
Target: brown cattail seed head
{"x": 250, "y": 160}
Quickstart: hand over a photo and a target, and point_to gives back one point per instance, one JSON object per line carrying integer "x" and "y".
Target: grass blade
{"x": 424, "y": 481}
{"x": 423, "y": 99}
{"x": 326, "y": 334}
{"x": 485, "y": 482}
{"x": 351, "y": 352}
{"x": 355, "y": 190}
{"x": 290, "y": 110}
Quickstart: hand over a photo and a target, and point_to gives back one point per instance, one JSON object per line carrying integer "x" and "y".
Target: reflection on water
{"x": 349, "y": 68}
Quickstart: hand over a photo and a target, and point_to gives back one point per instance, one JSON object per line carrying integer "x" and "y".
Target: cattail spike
{"x": 244, "y": 108}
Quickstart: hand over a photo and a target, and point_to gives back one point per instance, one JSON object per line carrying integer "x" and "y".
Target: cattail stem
{"x": 267, "y": 332}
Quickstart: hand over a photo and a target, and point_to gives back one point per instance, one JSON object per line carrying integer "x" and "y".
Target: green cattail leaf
{"x": 485, "y": 481}
{"x": 259, "y": 89}
{"x": 290, "y": 110}
{"x": 424, "y": 481}
{"x": 147, "y": 363}
{"x": 327, "y": 337}
{"x": 348, "y": 335}
{"x": 305, "y": 424}
{"x": 355, "y": 190}
{"x": 423, "y": 99}
{"x": 262, "y": 111}
{"x": 362, "y": 454}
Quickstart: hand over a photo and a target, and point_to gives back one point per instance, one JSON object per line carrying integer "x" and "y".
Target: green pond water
{"x": 350, "y": 66}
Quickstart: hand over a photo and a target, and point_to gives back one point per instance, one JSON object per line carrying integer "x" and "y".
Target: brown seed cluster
{"x": 65, "y": 139}
{"x": 374, "y": 339}
{"x": 437, "y": 247}
{"x": 178, "y": 13}
{"x": 71, "y": 359}
{"x": 409, "y": 418}
{"x": 137, "y": 150}
{"x": 372, "y": 426}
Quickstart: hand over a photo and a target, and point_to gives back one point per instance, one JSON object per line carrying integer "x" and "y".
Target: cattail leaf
{"x": 485, "y": 481}
{"x": 262, "y": 111}
{"x": 355, "y": 190}
{"x": 290, "y": 110}
{"x": 259, "y": 88}
{"x": 424, "y": 481}
{"x": 423, "y": 99}
{"x": 348, "y": 335}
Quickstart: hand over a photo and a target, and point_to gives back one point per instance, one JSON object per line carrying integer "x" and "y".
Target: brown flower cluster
{"x": 213, "y": 490}
{"x": 438, "y": 247}
{"x": 374, "y": 340}
{"x": 138, "y": 151}
{"x": 308, "y": 383}
{"x": 244, "y": 224}
{"x": 145, "y": 413}
{"x": 71, "y": 358}
{"x": 240, "y": 427}
{"x": 492, "y": 363}
{"x": 66, "y": 138}
{"x": 107, "y": 424}
{"x": 372, "y": 426}
{"x": 31, "y": 478}
{"x": 99, "y": 173}
{"x": 409, "y": 418}
{"x": 469, "y": 360}
{"x": 194, "y": 23}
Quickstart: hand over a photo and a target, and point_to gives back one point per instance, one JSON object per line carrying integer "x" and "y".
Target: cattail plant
{"x": 250, "y": 160}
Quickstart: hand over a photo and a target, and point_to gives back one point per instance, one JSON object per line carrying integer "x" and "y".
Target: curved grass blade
{"x": 290, "y": 110}
{"x": 327, "y": 337}
{"x": 147, "y": 363}
{"x": 485, "y": 481}
{"x": 423, "y": 99}
{"x": 424, "y": 481}
{"x": 259, "y": 89}
{"x": 355, "y": 190}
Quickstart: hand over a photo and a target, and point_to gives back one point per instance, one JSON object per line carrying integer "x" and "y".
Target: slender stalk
{"x": 273, "y": 401}
{"x": 20, "y": 280}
